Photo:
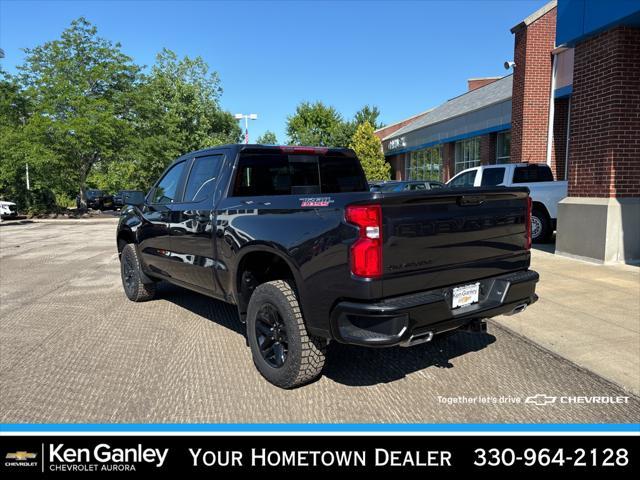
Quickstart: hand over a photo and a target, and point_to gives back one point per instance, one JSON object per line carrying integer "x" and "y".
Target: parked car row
{"x": 100, "y": 200}
{"x": 96, "y": 200}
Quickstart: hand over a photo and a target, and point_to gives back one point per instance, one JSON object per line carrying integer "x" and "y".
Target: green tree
{"x": 177, "y": 110}
{"x": 369, "y": 150}
{"x": 79, "y": 87}
{"x": 368, "y": 114}
{"x": 314, "y": 124}
{"x": 81, "y": 113}
{"x": 318, "y": 124}
{"x": 267, "y": 138}
{"x": 13, "y": 115}
{"x": 348, "y": 128}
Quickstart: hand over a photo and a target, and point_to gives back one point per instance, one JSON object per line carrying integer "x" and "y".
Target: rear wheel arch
{"x": 258, "y": 266}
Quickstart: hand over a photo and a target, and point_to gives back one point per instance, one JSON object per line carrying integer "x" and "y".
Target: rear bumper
{"x": 396, "y": 320}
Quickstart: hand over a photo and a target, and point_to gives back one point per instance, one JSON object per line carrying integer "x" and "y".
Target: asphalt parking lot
{"x": 74, "y": 349}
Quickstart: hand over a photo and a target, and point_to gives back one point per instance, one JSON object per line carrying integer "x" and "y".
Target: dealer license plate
{"x": 465, "y": 295}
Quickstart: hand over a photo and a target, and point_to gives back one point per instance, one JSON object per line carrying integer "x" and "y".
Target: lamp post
{"x": 251, "y": 116}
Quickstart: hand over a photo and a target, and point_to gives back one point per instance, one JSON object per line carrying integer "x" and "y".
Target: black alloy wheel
{"x": 282, "y": 349}
{"x": 134, "y": 286}
{"x": 271, "y": 334}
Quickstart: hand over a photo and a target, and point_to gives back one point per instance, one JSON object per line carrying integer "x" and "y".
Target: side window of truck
{"x": 262, "y": 175}
{"x": 202, "y": 178}
{"x": 492, "y": 177}
{"x": 167, "y": 188}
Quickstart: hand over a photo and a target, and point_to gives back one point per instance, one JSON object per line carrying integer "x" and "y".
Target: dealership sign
{"x": 396, "y": 143}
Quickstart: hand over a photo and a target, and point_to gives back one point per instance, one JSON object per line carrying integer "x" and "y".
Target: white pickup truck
{"x": 544, "y": 191}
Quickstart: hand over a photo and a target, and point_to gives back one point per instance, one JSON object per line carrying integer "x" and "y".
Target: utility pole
{"x": 247, "y": 117}
{"x": 27, "y": 169}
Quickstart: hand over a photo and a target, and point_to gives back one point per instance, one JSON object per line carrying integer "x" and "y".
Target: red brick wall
{"x": 531, "y": 89}
{"x": 559, "y": 145}
{"x": 474, "y": 83}
{"x": 488, "y": 149}
{"x": 604, "y": 148}
{"x": 448, "y": 161}
{"x": 397, "y": 166}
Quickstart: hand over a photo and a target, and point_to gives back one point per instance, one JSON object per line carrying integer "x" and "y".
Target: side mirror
{"x": 133, "y": 198}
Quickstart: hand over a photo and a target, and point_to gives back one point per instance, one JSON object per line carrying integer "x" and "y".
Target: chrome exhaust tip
{"x": 518, "y": 309}
{"x": 418, "y": 339}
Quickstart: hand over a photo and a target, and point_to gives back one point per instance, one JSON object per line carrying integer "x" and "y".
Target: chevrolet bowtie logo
{"x": 541, "y": 399}
{"x": 21, "y": 456}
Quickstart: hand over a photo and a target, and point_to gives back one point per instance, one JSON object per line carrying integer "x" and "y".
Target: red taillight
{"x": 527, "y": 222}
{"x": 366, "y": 252}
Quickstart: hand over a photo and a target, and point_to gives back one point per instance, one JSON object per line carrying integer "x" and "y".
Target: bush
{"x": 65, "y": 201}
{"x": 41, "y": 201}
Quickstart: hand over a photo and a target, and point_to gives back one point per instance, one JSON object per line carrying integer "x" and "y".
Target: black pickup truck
{"x": 295, "y": 239}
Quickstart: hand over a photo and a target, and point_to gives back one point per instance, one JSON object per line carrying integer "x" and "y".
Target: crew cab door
{"x": 191, "y": 224}
{"x": 153, "y": 234}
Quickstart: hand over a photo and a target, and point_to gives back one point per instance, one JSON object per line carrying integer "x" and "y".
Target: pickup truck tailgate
{"x": 450, "y": 236}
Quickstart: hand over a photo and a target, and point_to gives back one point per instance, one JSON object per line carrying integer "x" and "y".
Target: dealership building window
{"x": 467, "y": 154}
{"x": 503, "y": 147}
{"x": 425, "y": 164}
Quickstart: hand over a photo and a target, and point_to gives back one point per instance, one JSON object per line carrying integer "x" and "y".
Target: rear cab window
{"x": 492, "y": 177}
{"x": 532, "y": 173}
{"x": 273, "y": 172}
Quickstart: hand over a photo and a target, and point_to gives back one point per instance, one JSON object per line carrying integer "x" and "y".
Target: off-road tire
{"x": 130, "y": 272}
{"x": 306, "y": 354}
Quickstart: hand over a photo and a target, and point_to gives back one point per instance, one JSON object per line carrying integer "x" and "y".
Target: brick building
{"x": 600, "y": 218}
{"x": 455, "y": 135}
{"x": 572, "y": 102}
